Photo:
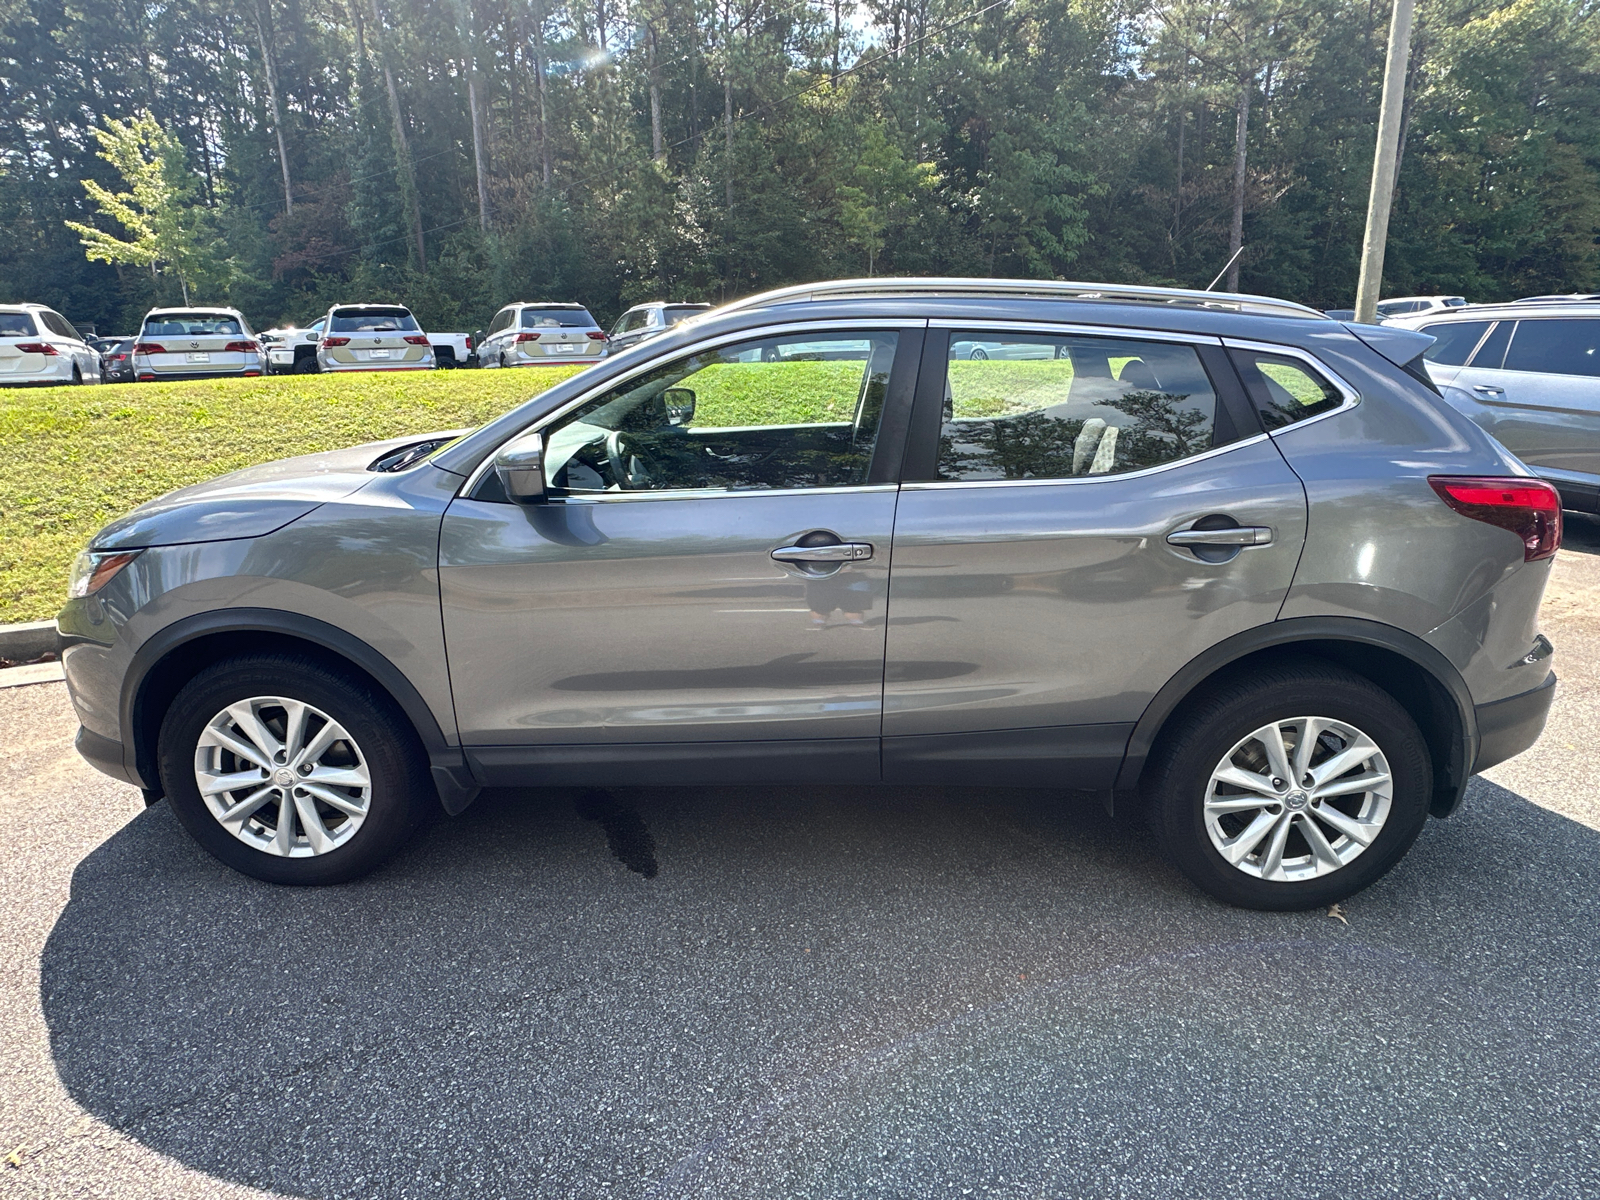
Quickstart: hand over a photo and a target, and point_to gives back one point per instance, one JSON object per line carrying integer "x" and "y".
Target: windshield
{"x": 191, "y": 325}
{"x": 569, "y": 318}
{"x": 16, "y": 325}
{"x": 373, "y": 320}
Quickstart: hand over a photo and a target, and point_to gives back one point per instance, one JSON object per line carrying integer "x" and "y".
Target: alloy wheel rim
{"x": 1298, "y": 799}
{"x": 283, "y": 777}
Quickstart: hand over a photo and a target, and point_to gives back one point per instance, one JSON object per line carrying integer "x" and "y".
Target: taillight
{"x": 417, "y": 339}
{"x": 527, "y": 337}
{"x": 242, "y": 348}
{"x": 149, "y": 348}
{"x": 36, "y": 348}
{"x": 1529, "y": 508}
{"x": 596, "y": 336}
{"x": 327, "y": 342}
{"x": 469, "y": 341}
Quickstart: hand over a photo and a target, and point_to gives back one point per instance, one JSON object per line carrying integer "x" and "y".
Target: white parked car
{"x": 526, "y": 334}
{"x": 1013, "y": 350}
{"x": 373, "y": 337}
{"x": 291, "y": 349}
{"x": 1412, "y": 306}
{"x": 39, "y": 345}
{"x": 195, "y": 343}
{"x": 645, "y": 321}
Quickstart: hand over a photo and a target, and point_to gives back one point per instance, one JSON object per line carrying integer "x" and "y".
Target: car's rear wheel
{"x": 306, "y": 365}
{"x": 1290, "y": 788}
{"x": 290, "y": 771}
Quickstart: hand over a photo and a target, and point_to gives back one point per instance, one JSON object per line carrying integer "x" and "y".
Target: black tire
{"x": 402, "y": 795}
{"x": 1211, "y": 724}
{"x": 306, "y": 364}
{"x": 77, "y": 376}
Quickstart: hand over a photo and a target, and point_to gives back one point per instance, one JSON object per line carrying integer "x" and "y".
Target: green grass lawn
{"x": 75, "y": 458}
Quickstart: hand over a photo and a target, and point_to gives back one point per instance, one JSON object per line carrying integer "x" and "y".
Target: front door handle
{"x": 835, "y": 552}
{"x": 1488, "y": 389}
{"x": 1236, "y": 535}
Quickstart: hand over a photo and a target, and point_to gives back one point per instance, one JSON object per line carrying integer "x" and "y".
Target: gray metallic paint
{"x": 1048, "y": 592}
{"x": 1053, "y": 612}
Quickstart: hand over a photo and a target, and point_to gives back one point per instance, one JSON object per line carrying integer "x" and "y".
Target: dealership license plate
{"x": 199, "y": 356}
{"x": 377, "y": 354}
{"x": 564, "y": 348}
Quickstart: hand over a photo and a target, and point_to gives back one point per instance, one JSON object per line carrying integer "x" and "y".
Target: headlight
{"x": 93, "y": 569}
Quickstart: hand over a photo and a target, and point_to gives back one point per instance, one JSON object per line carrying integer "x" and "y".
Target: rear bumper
{"x": 1508, "y": 727}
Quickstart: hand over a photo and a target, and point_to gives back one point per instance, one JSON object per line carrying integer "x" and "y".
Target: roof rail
{"x": 1044, "y": 288}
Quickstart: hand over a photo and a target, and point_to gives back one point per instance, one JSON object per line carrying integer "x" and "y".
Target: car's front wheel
{"x": 1292, "y": 787}
{"x": 290, "y": 771}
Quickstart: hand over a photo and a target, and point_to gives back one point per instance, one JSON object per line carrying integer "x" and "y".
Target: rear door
{"x": 1542, "y": 397}
{"x": 1083, "y": 514}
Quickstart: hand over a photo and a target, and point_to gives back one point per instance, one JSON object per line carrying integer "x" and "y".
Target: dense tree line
{"x": 456, "y": 154}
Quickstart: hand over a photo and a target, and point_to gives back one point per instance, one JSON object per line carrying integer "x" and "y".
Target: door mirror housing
{"x": 680, "y": 405}
{"x": 520, "y": 466}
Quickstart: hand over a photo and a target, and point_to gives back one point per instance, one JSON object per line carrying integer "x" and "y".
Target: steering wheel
{"x": 629, "y": 470}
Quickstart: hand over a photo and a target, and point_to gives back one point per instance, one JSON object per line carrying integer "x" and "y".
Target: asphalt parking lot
{"x": 830, "y": 993}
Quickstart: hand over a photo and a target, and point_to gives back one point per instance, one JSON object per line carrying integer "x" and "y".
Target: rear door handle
{"x": 836, "y": 552}
{"x": 1238, "y": 535}
{"x": 1488, "y": 389}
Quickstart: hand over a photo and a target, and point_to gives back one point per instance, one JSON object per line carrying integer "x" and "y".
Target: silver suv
{"x": 1214, "y": 555}
{"x": 1529, "y": 373}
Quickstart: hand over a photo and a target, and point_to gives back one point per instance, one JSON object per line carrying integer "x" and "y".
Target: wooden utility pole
{"x": 1383, "y": 162}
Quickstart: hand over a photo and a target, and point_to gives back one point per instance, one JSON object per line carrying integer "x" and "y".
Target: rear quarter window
{"x": 1285, "y": 389}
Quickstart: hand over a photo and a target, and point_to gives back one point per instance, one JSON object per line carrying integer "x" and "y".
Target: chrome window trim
{"x": 1076, "y": 480}
{"x": 820, "y": 325}
{"x": 720, "y": 493}
{"x": 1043, "y": 328}
{"x": 1351, "y": 396}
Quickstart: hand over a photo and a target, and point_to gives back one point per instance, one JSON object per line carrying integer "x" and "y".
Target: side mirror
{"x": 680, "y": 405}
{"x": 520, "y": 466}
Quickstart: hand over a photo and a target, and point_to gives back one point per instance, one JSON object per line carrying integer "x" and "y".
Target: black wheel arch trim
{"x": 448, "y": 766}
{"x": 1285, "y": 634}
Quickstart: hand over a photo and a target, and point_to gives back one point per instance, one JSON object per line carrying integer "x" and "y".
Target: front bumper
{"x": 1508, "y": 727}
{"x": 103, "y": 755}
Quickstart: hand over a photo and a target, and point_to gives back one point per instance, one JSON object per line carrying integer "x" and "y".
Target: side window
{"x": 1456, "y": 341}
{"x": 1284, "y": 389}
{"x": 777, "y": 412}
{"x": 1493, "y": 351}
{"x": 1025, "y": 406}
{"x": 57, "y": 324}
{"x": 1556, "y": 346}
{"x": 501, "y": 319}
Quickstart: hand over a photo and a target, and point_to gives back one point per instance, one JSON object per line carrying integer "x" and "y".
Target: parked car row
{"x": 39, "y": 345}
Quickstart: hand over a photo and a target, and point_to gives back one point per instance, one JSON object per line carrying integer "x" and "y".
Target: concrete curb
{"x": 23, "y": 643}
{"x": 49, "y": 672}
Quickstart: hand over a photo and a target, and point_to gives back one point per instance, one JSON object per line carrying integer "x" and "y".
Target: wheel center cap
{"x": 283, "y": 777}
{"x": 1295, "y": 801}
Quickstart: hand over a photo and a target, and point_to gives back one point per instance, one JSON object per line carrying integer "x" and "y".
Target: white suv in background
{"x": 644, "y": 321}
{"x": 373, "y": 337}
{"x": 195, "y": 343}
{"x": 39, "y": 345}
{"x": 528, "y": 334}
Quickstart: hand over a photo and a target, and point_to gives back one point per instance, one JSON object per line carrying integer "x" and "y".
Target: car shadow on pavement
{"x": 1580, "y": 532}
{"x": 821, "y": 992}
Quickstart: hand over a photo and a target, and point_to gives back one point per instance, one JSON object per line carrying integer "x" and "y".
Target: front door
{"x": 1088, "y": 519}
{"x": 701, "y": 594}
